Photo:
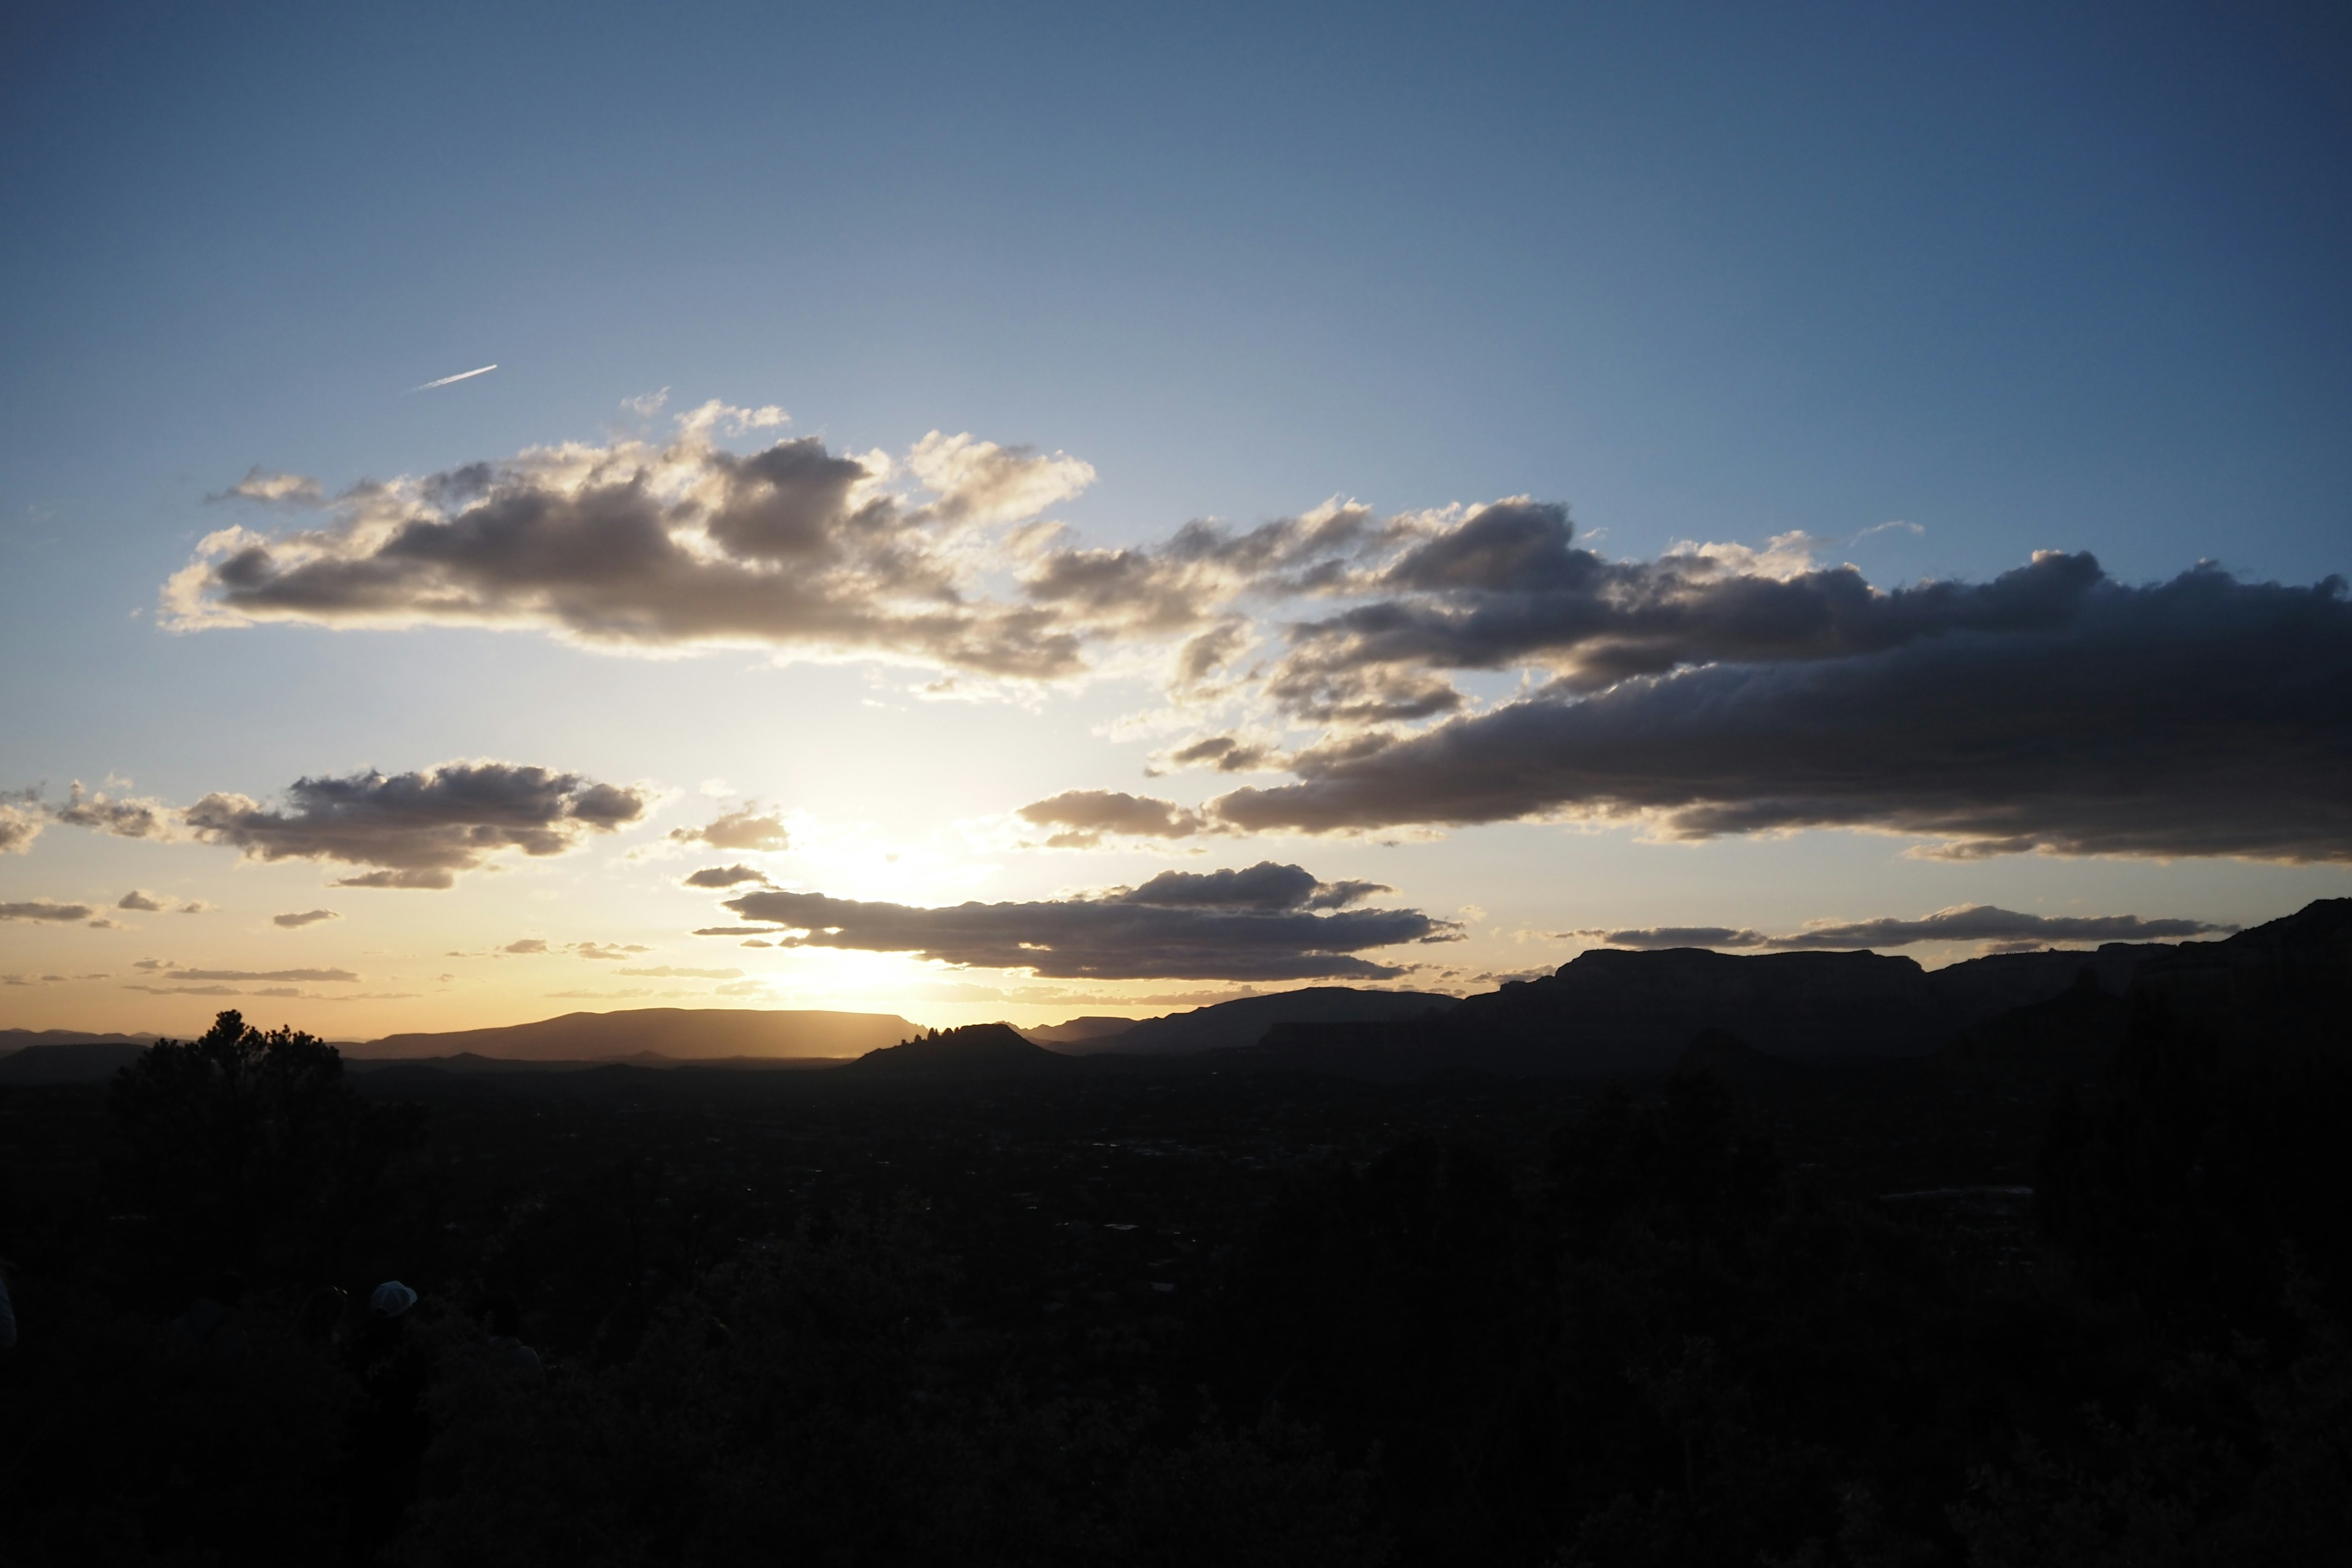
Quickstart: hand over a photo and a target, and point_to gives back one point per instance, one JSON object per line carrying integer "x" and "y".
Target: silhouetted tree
{"x": 247, "y": 1147}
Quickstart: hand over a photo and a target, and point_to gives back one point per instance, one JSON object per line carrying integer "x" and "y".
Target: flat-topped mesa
{"x": 974, "y": 1049}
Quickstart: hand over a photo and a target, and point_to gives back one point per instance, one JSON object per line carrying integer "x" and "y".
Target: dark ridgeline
{"x": 2039, "y": 1260}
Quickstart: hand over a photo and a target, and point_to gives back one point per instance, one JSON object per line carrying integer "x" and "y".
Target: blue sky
{"x": 2018, "y": 280}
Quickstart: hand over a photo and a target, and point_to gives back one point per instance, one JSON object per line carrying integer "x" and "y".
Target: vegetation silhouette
{"x": 2072, "y": 1292}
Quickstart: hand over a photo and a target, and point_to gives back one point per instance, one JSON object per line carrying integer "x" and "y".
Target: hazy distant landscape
{"x": 1941, "y": 1266}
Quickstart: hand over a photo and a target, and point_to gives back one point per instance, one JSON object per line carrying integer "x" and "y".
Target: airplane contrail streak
{"x": 446, "y": 380}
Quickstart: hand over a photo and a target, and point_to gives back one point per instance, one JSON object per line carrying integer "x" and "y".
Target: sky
{"x": 1024, "y": 511}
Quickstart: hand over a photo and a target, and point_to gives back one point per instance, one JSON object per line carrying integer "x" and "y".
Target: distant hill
{"x": 1087, "y": 1032}
{"x": 92, "y": 1061}
{"x": 1245, "y": 1021}
{"x": 976, "y": 1050}
{"x": 679, "y": 1033}
{"x": 18, "y": 1039}
{"x": 1609, "y": 1011}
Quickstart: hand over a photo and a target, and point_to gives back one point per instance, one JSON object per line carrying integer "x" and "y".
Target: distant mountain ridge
{"x": 18, "y": 1039}
{"x": 1245, "y": 1020}
{"x": 680, "y": 1034}
{"x": 1611, "y": 1011}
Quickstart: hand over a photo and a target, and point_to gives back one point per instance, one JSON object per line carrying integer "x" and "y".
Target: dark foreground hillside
{"x": 2014, "y": 1304}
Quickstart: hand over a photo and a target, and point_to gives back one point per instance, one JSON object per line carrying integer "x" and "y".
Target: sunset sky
{"x": 1019, "y": 511}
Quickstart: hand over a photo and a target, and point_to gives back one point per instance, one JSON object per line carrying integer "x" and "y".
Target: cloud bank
{"x": 633, "y": 546}
{"x": 1973, "y": 922}
{"x": 1259, "y": 923}
{"x": 2204, "y": 716}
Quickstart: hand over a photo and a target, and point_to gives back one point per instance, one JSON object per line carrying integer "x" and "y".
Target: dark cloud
{"x": 306, "y": 918}
{"x": 1225, "y": 754}
{"x": 1086, "y": 816}
{"x": 742, "y": 828}
{"x": 1999, "y": 930}
{"x": 1983, "y": 922}
{"x": 2204, "y": 716}
{"x": 1257, "y": 925}
{"x": 141, "y": 902}
{"x": 634, "y": 546}
{"x": 1506, "y": 588}
{"x": 724, "y": 877}
{"x": 44, "y": 910}
{"x": 419, "y": 828}
{"x": 1264, "y": 886}
{"x": 1656, "y": 937}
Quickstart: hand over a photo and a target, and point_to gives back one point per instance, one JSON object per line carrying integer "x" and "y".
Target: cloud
{"x": 132, "y": 818}
{"x": 306, "y": 918}
{"x": 645, "y": 547}
{"x": 199, "y": 907}
{"x": 724, "y": 877}
{"x": 533, "y": 946}
{"x": 980, "y": 482}
{"x": 144, "y": 902}
{"x": 1086, "y": 816}
{"x": 663, "y": 972}
{"x": 742, "y": 828}
{"x": 273, "y": 488}
{"x": 1983, "y": 922}
{"x": 419, "y": 828}
{"x": 342, "y": 976}
{"x": 1256, "y": 924}
{"x": 44, "y": 910}
{"x": 1973, "y": 922}
{"x": 19, "y": 826}
{"x": 2202, "y": 716}
{"x": 1653, "y": 938}
{"x": 1506, "y": 588}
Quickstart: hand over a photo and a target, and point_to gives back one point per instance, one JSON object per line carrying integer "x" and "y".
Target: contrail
{"x": 447, "y": 379}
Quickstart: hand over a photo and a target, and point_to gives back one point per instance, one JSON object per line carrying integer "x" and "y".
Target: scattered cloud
{"x": 724, "y": 877}
{"x": 663, "y": 972}
{"x": 419, "y": 828}
{"x": 141, "y": 902}
{"x": 19, "y": 826}
{"x": 45, "y": 909}
{"x": 272, "y": 488}
{"x": 305, "y": 917}
{"x": 530, "y": 944}
{"x": 1982, "y": 923}
{"x": 636, "y": 546}
{"x": 742, "y": 828}
{"x": 340, "y": 976}
{"x": 134, "y": 818}
{"x": 607, "y": 949}
{"x": 1257, "y": 924}
{"x": 1086, "y": 816}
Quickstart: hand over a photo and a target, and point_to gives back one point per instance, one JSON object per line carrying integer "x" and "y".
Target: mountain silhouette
{"x": 973, "y": 1050}
{"x": 679, "y": 1033}
{"x": 1245, "y": 1020}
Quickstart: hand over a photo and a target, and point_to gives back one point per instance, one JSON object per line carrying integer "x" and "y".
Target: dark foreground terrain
{"x": 2071, "y": 1291}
